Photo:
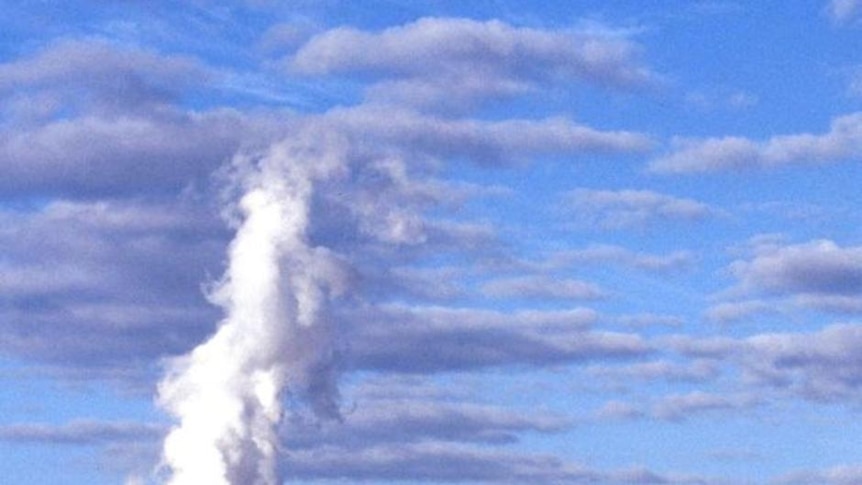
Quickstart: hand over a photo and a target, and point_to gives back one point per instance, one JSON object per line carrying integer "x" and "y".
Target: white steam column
{"x": 226, "y": 394}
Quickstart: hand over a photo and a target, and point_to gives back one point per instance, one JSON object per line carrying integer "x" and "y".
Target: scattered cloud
{"x": 112, "y": 154}
{"x": 840, "y": 143}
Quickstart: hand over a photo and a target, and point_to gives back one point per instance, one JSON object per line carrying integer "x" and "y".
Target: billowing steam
{"x": 277, "y": 335}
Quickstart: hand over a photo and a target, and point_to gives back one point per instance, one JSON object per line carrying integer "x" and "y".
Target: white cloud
{"x": 841, "y": 143}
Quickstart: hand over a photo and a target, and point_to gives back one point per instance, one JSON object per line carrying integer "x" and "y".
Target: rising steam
{"x": 277, "y": 335}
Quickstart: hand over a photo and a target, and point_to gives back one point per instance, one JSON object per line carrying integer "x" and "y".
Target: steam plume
{"x": 277, "y": 334}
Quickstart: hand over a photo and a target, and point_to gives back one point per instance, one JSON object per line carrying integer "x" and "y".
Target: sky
{"x": 520, "y": 242}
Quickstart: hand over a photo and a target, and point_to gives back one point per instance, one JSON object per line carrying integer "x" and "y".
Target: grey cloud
{"x": 683, "y": 406}
{"x": 695, "y": 371}
{"x": 714, "y": 100}
{"x": 626, "y": 208}
{"x": 616, "y": 410}
{"x": 728, "y": 312}
{"x": 542, "y": 287}
{"x": 432, "y": 461}
{"x": 604, "y": 253}
{"x": 849, "y": 304}
{"x": 165, "y": 149}
{"x": 422, "y": 283}
{"x": 823, "y": 365}
{"x": 94, "y": 156}
{"x": 838, "y": 475}
{"x": 486, "y": 142}
{"x": 855, "y": 87}
{"x": 700, "y": 347}
{"x": 96, "y": 75}
{"x": 434, "y": 339}
{"x": 841, "y": 143}
{"x": 86, "y": 118}
{"x": 442, "y": 58}
{"x": 412, "y": 421}
{"x": 106, "y": 284}
{"x": 81, "y": 432}
{"x": 445, "y": 462}
{"x": 818, "y": 271}
{"x": 650, "y": 319}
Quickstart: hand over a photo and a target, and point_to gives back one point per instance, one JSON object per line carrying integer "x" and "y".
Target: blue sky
{"x": 534, "y": 242}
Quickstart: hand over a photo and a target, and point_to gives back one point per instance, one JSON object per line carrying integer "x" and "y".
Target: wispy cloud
{"x": 620, "y": 209}
{"x": 541, "y": 287}
{"x": 82, "y": 432}
{"x": 844, "y": 11}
